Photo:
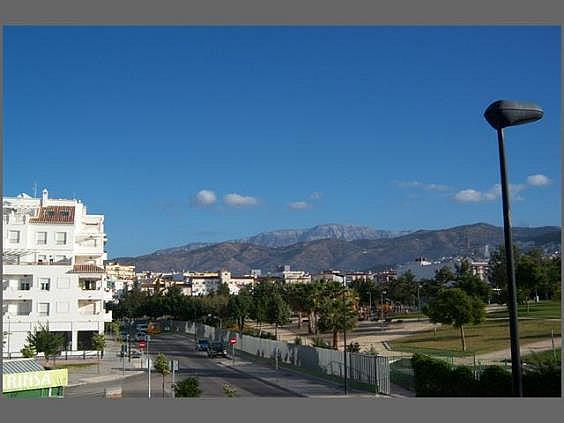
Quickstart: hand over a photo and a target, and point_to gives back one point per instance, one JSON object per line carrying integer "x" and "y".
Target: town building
{"x": 204, "y": 283}
{"x": 53, "y": 272}
{"x": 120, "y": 278}
{"x": 290, "y": 277}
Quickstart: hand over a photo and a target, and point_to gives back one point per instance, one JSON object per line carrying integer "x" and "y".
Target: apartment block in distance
{"x": 53, "y": 271}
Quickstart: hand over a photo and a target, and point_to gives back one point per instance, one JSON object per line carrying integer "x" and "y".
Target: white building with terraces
{"x": 53, "y": 271}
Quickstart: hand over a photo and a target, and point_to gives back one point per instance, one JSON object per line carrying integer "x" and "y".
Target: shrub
{"x": 229, "y": 390}
{"x": 354, "y": 347}
{"x": 319, "y": 342}
{"x": 495, "y": 381}
{"x": 188, "y": 388}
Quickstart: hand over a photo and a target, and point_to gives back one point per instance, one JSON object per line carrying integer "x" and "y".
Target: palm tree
{"x": 338, "y": 311}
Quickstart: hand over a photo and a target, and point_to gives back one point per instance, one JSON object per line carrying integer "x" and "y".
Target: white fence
{"x": 363, "y": 368}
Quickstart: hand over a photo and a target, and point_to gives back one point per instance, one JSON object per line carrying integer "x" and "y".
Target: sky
{"x": 188, "y": 134}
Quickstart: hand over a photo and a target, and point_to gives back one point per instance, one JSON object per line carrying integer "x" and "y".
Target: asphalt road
{"x": 211, "y": 373}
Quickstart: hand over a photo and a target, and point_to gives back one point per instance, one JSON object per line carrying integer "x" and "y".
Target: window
{"x": 63, "y": 283}
{"x": 44, "y": 284}
{"x": 14, "y": 237}
{"x": 25, "y": 285}
{"x": 41, "y": 238}
{"x": 88, "y": 285}
{"x": 43, "y": 309}
{"x": 62, "y": 307}
{"x": 61, "y": 238}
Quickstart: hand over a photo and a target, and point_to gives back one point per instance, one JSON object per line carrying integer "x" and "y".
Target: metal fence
{"x": 362, "y": 368}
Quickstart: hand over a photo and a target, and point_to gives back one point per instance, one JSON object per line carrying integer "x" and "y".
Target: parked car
{"x": 202, "y": 345}
{"x": 140, "y": 336}
{"x": 217, "y": 349}
{"x": 136, "y": 354}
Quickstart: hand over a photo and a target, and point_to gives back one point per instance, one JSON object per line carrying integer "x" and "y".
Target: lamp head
{"x": 503, "y": 113}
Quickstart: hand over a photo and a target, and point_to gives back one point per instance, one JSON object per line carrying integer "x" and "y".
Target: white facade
{"x": 204, "y": 283}
{"x": 53, "y": 271}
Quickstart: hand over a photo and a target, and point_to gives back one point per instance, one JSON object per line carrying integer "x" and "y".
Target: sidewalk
{"x": 110, "y": 368}
{"x": 536, "y": 347}
{"x": 300, "y": 384}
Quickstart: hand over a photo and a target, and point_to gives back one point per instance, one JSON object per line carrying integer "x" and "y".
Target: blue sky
{"x": 185, "y": 134}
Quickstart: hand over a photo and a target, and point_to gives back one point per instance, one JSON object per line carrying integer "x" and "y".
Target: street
{"x": 212, "y": 375}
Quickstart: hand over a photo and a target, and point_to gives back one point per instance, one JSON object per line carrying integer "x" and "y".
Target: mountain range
{"x": 344, "y": 247}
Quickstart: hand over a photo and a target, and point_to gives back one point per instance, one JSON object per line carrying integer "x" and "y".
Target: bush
{"x": 229, "y": 390}
{"x": 354, "y": 347}
{"x": 319, "y": 342}
{"x": 495, "y": 381}
{"x": 188, "y": 388}
{"x": 431, "y": 376}
{"x": 436, "y": 378}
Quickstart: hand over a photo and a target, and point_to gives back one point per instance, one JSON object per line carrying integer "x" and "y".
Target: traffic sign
{"x": 142, "y": 344}
{"x": 233, "y": 341}
{"x": 173, "y": 365}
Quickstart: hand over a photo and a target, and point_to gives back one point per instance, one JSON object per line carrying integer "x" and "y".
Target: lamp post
{"x": 501, "y": 114}
{"x": 345, "y": 338}
{"x": 382, "y": 293}
{"x": 418, "y": 302}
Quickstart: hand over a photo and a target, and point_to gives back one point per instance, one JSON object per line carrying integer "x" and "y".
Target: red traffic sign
{"x": 142, "y": 344}
{"x": 233, "y": 341}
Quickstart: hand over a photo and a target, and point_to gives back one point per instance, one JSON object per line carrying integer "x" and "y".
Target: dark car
{"x": 217, "y": 349}
{"x": 202, "y": 345}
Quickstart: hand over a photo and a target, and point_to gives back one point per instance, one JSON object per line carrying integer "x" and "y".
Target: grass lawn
{"x": 493, "y": 335}
{"x": 542, "y": 310}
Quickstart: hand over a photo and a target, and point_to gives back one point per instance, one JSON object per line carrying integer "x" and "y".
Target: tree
{"x": 456, "y": 308}
{"x": 338, "y": 313}
{"x": 470, "y": 283}
{"x": 115, "y": 329}
{"x": 278, "y": 312}
{"x": 162, "y": 366}
{"x": 259, "y": 309}
{"x": 49, "y": 343}
{"x": 239, "y": 308}
{"x": 99, "y": 343}
{"x": 223, "y": 290}
{"x": 28, "y": 351}
{"x": 188, "y": 388}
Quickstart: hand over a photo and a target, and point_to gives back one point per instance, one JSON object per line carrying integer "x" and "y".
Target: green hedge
{"x": 436, "y": 378}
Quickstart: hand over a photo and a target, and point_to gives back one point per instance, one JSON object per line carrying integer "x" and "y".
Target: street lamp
{"x": 418, "y": 302}
{"x": 382, "y": 293}
{"x": 501, "y": 114}
{"x": 345, "y": 338}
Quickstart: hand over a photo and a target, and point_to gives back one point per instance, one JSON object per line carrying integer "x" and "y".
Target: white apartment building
{"x": 53, "y": 271}
{"x": 204, "y": 283}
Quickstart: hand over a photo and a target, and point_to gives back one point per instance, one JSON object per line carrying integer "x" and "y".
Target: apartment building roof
{"x": 54, "y": 214}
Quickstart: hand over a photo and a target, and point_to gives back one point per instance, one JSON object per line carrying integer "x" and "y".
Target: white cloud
{"x": 205, "y": 198}
{"x": 469, "y": 196}
{"x": 315, "y": 196}
{"x": 417, "y": 184}
{"x": 298, "y": 205}
{"x": 237, "y": 200}
{"x": 538, "y": 180}
{"x": 474, "y": 196}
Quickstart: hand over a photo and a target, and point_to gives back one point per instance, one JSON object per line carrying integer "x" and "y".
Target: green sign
{"x": 34, "y": 380}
